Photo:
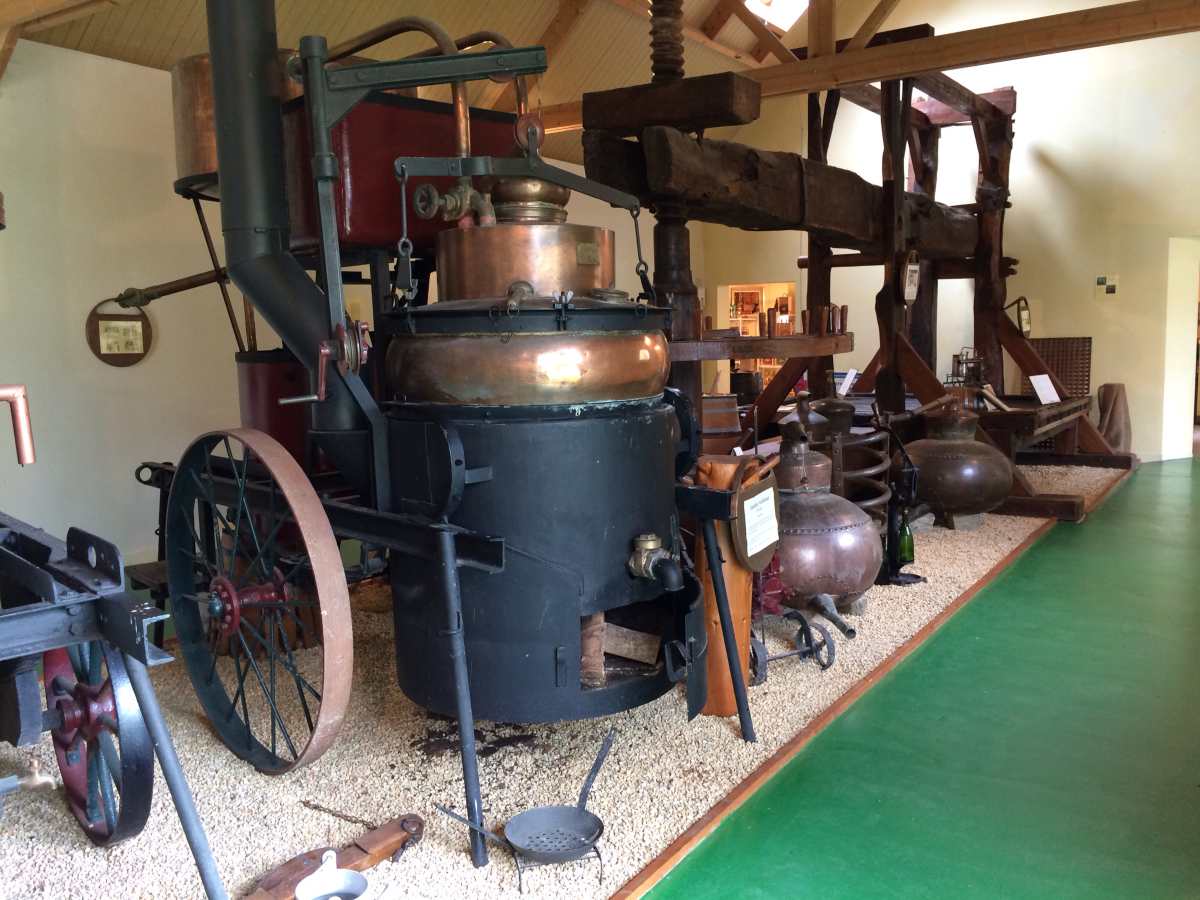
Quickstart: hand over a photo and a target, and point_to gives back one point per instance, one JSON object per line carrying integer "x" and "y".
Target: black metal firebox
{"x": 570, "y": 489}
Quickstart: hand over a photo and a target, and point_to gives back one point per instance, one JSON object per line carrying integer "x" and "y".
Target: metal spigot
{"x": 654, "y": 562}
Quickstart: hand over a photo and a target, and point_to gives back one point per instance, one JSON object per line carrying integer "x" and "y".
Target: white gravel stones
{"x": 662, "y": 774}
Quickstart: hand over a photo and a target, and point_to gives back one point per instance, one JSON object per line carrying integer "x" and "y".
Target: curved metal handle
{"x": 600, "y": 757}
{"x": 16, "y": 396}
{"x": 491, "y": 836}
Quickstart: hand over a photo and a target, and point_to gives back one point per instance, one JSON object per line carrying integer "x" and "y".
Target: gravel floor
{"x": 393, "y": 758}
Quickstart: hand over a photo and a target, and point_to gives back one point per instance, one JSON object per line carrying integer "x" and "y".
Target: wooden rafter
{"x": 691, "y": 33}
{"x": 871, "y": 24}
{"x": 1094, "y": 27}
{"x": 53, "y": 20}
{"x": 18, "y": 12}
{"x": 769, "y": 42}
{"x": 8, "y": 43}
{"x": 503, "y": 94}
{"x": 822, "y": 29}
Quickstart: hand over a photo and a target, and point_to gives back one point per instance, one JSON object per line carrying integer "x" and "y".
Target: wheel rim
{"x": 259, "y": 599}
{"x": 103, "y": 749}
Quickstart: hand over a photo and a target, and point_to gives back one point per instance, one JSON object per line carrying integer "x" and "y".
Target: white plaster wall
{"x": 1183, "y": 293}
{"x": 86, "y": 166}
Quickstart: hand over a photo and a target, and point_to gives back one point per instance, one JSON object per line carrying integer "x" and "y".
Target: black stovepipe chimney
{"x": 254, "y": 210}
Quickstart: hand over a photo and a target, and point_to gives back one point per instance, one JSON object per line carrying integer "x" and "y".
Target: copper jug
{"x": 827, "y": 545}
{"x": 959, "y": 475}
{"x": 799, "y": 465}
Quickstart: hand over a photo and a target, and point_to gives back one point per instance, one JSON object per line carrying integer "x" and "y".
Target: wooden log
{"x": 629, "y": 644}
{"x": 706, "y": 101}
{"x": 719, "y": 472}
{"x": 743, "y": 187}
{"x": 1064, "y": 507}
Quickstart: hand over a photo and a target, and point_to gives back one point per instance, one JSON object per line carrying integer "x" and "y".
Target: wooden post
{"x": 922, "y": 328}
{"x": 672, "y": 243}
{"x": 994, "y": 139}
{"x": 818, "y": 282}
{"x": 889, "y": 302}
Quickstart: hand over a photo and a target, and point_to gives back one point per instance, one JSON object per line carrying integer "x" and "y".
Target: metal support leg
{"x": 462, "y": 693}
{"x": 716, "y": 566}
{"x": 185, "y": 807}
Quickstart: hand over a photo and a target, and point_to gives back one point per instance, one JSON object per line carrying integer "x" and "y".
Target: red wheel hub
{"x": 86, "y": 711}
{"x": 230, "y": 602}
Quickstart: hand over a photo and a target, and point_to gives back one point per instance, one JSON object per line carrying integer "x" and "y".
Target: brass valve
{"x": 648, "y": 550}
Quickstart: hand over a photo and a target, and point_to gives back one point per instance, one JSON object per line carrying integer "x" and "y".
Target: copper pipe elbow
{"x": 446, "y": 47}
{"x": 17, "y": 398}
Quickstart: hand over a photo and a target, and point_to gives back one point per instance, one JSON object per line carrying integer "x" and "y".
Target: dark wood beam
{"x": 691, "y": 104}
{"x": 941, "y": 86}
{"x": 771, "y": 190}
{"x": 941, "y": 114}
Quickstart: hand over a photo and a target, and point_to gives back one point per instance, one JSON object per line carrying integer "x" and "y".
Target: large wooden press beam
{"x": 770, "y": 190}
{"x": 707, "y": 101}
{"x": 1095, "y": 27}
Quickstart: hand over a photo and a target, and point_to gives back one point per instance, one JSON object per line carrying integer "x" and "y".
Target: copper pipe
{"x": 445, "y": 44}
{"x": 16, "y": 396}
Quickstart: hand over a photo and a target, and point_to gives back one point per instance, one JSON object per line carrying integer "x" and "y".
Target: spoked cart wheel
{"x": 259, "y": 599}
{"x": 104, "y": 752}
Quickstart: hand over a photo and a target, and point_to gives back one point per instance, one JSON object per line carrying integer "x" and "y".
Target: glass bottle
{"x": 907, "y": 552}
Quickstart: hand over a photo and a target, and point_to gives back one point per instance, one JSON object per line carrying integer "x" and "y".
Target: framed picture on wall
{"x": 747, "y": 302}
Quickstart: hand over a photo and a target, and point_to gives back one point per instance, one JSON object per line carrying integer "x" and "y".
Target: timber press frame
{"x": 885, "y": 225}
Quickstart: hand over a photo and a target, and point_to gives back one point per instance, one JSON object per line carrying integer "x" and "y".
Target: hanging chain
{"x": 641, "y": 268}
{"x": 404, "y": 286}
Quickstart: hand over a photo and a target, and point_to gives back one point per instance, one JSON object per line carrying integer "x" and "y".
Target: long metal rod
{"x": 462, "y": 693}
{"x": 716, "y": 566}
{"x": 185, "y": 806}
{"x": 216, "y": 264}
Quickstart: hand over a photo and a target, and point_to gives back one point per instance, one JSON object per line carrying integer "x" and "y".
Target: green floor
{"x": 1044, "y": 743}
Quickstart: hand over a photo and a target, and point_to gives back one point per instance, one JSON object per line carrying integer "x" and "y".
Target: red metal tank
{"x": 263, "y": 377}
{"x": 366, "y": 143}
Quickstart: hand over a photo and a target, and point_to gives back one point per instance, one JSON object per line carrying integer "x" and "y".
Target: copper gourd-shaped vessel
{"x": 959, "y": 475}
{"x": 827, "y": 545}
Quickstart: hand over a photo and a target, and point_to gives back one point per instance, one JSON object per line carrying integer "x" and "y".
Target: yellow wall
{"x": 86, "y": 166}
{"x": 1102, "y": 179}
